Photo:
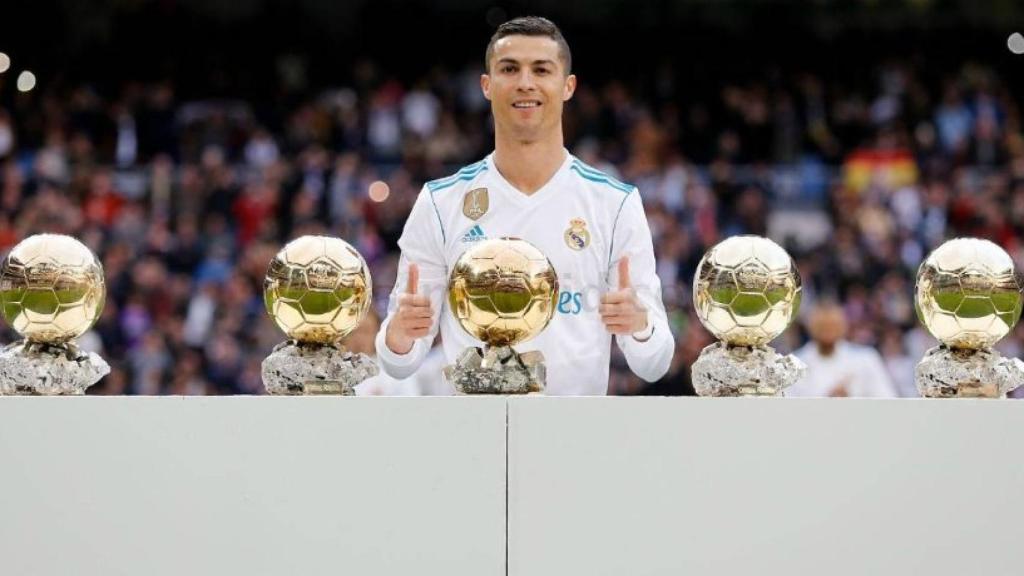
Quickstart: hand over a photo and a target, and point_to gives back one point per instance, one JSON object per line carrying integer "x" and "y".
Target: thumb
{"x": 414, "y": 279}
{"x": 624, "y": 273}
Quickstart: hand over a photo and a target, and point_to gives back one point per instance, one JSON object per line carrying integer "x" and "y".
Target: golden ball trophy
{"x": 51, "y": 291}
{"x": 317, "y": 290}
{"x": 502, "y": 292}
{"x": 746, "y": 292}
{"x": 968, "y": 295}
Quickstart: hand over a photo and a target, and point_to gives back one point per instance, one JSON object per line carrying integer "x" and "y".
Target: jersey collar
{"x": 517, "y": 197}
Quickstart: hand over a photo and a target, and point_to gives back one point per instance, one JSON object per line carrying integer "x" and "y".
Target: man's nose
{"x": 526, "y": 80}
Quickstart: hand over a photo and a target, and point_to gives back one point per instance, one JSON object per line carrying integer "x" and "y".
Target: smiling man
{"x": 590, "y": 226}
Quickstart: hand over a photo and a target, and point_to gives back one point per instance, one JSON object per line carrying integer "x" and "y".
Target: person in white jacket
{"x": 836, "y": 367}
{"x": 589, "y": 225}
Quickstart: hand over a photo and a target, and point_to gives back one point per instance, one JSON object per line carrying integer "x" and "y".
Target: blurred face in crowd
{"x": 827, "y": 326}
{"x": 527, "y": 84}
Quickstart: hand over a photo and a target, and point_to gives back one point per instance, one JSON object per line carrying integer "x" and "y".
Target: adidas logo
{"x": 475, "y": 234}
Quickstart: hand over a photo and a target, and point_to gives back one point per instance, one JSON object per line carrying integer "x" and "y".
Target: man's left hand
{"x": 621, "y": 310}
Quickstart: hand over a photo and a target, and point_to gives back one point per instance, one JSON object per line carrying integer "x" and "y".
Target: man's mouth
{"x": 526, "y": 104}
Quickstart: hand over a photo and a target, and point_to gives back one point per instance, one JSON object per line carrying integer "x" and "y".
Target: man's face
{"x": 527, "y": 85}
{"x": 827, "y": 326}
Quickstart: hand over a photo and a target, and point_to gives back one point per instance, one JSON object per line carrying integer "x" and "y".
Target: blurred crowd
{"x": 186, "y": 202}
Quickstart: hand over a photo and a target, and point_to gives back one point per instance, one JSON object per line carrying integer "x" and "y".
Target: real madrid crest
{"x": 475, "y": 203}
{"x": 577, "y": 237}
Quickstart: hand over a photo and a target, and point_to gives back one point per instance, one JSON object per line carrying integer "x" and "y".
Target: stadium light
{"x": 1016, "y": 43}
{"x": 5, "y": 62}
{"x": 379, "y": 191}
{"x": 26, "y": 81}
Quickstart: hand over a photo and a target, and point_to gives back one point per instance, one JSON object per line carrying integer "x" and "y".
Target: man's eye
{"x": 508, "y": 69}
{"x": 541, "y": 71}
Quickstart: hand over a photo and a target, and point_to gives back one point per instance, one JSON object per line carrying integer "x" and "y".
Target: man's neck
{"x": 826, "y": 350}
{"x": 528, "y": 166}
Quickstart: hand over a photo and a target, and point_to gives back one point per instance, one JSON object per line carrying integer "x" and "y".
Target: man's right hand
{"x": 413, "y": 318}
{"x": 841, "y": 389}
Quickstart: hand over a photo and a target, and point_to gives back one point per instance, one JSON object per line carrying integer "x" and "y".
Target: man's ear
{"x": 570, "y": 87}
{"x": 485, "y": 85}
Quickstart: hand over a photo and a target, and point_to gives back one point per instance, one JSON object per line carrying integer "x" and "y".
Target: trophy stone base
{"x": 297, "y": 368}
{"x": 724, "y": 370}
{"x": 497, "y": 370}
{"x": 39, "y": 369}
{"x": 961, "y": 373}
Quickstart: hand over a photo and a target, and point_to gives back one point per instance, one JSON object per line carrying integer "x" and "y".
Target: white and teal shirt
{"x": 584, "y": 221}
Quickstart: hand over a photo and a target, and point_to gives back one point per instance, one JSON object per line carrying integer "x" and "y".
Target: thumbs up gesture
{"x": 621, "y": 310}
{"x": 413, "y": 318}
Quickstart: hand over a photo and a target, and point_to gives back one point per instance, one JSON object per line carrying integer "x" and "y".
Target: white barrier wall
{"x": 252, "y": 486}
{"x": 595, "y": 486}
{"x": 630, "y": 486}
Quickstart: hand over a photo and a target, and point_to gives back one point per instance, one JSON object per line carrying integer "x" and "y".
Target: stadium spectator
{"x": 835, "y": 366}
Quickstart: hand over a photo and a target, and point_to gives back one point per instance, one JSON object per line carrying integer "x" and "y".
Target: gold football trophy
{"x": 51, "y": 291}
{"x": 746, "y": 292}
{"x": 968, "y": 295}
{"x": 317, "y": 290}
{"x": 503, "y": 293}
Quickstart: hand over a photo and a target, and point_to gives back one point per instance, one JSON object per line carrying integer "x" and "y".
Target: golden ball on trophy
{"x": 51, "y": 288}
{"x": 746, "y": 290}
{"x": 317, "y": 289}
{"x": 503, "y": 291}
{"x": 968, "y": 293}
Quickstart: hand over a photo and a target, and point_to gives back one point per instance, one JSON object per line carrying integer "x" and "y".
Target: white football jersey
{"x": 859, "y": 369}
{"x": 584, "y": 221}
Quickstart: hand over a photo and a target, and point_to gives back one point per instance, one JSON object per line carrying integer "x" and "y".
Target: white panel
{"x": 252, "y": 486}
{"x": 657, "y": 486}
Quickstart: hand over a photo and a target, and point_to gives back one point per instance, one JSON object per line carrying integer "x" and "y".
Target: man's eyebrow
{"x": 508, "y": 60}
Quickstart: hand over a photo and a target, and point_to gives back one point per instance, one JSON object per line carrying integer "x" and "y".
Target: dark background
{"x": 228, "y": 47}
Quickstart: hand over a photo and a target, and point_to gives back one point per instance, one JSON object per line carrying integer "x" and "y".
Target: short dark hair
{"x": 530, "y": 26}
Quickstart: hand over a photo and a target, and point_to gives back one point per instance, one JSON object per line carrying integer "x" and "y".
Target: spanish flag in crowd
{"x": 891, "y": 169}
